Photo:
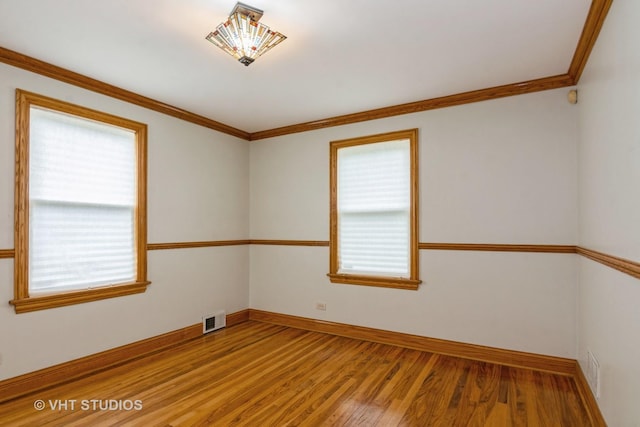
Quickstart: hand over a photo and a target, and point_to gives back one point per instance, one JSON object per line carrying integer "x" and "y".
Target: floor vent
{"x": 214, "y": 321}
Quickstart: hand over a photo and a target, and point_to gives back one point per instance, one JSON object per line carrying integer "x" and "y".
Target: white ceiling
{"x": 340, "y": 56}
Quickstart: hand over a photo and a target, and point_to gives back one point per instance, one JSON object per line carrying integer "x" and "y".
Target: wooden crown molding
{"x": 591, "y": 30}
{"x": 67, "y": 76}
{"x": 529, "y": 86}
{"x": 58, "y": 73}
{"x": 595, "y": 19}
{"x": 37, "y": 66}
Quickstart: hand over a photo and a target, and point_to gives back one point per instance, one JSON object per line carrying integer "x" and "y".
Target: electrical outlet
{"x": 593, "y": 373}
{"x": 321, "y": 306}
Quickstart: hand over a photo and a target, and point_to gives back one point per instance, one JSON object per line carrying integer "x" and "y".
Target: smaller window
{"x": 374, "y": 226}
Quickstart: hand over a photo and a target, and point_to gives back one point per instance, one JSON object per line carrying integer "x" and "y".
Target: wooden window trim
{"x": 413, "y": 281}
{"x": 22, "y": 301}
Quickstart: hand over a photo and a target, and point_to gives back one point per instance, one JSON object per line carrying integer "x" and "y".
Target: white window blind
{"x": 82, "y": 200}
{"x": 374, "y": 201}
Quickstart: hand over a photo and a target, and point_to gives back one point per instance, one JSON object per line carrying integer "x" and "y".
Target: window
{"x": 80, "y": 204}
{"x": 374, "y": 222}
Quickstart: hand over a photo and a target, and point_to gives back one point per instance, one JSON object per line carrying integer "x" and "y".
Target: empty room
{"x": 384, "y": 213}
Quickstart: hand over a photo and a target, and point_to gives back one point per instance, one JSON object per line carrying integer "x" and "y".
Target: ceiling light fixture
{"x": 242, "y": 37}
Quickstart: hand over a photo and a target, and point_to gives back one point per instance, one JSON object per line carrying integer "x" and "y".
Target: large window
{"x": 80, "y": 204}
{"x": 374, "y": 225}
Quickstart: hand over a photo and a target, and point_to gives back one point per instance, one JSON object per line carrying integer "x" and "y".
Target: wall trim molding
{"x": 200, "y": 244}
{"x": 46, "y": 69}
{"x": 626, "y": 266}
{"x": 499, "y": 247}
{"x": 7, "y": 253}
{"x": 58, "y": 374}
{"x": 519, "y": 359}
{"x": 623, "y": 265}
{"x": 273, "y": 242}
{"x": 494, "y": 247}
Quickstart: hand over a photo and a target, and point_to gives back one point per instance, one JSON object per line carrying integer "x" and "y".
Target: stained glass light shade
{"x": 244, "y": 38}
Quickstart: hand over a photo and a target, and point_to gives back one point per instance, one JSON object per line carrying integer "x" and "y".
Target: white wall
{"x": 500, "y": 171}
{"x": 197, "y": 190}
{"x": 609, "y": 164}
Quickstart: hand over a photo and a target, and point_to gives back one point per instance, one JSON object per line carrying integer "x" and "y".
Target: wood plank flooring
{"x": 259, "y": 374}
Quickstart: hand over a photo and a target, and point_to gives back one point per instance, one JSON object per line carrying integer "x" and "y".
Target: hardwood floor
{"x": 259, "y": 374}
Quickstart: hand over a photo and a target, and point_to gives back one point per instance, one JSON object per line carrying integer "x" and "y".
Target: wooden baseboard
{"x": 519, "y": 359}
{"x": 78, "y": 368}
{"x": 557, "y": 365}
{"x": 588, "y": 399}
{"x": 68, "y": 371}
{"x": 238, "y": 317}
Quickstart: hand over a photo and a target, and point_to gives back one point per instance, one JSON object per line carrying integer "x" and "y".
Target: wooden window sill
{"x": 380, "y": 281}
{"x": 42, "y": 302}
